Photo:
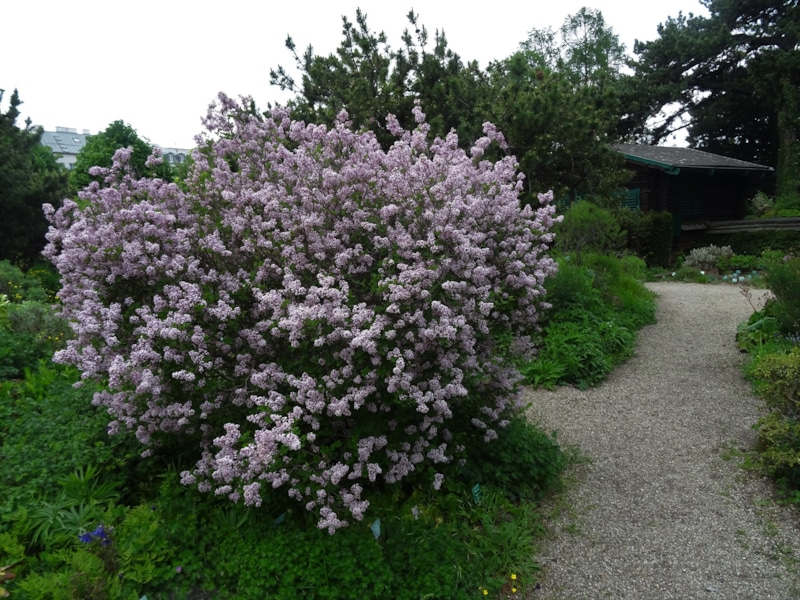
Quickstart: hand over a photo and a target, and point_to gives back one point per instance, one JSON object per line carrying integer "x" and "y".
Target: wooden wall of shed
{"x": 653, "y": 187}
{"x": 723, "y": 193}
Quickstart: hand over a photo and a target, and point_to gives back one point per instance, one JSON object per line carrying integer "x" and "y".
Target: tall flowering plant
{"x": 319, "y": 313}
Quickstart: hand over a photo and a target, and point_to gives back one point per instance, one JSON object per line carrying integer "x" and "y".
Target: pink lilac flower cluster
{"x": 319, "y": 313}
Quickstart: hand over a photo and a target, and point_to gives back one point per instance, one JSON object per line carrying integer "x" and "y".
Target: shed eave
{"x": 667, "y": 168}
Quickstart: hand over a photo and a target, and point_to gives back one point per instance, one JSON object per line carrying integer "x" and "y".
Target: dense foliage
{"x": 753, "y": 243}
{"x": 72, "y": 529}
{"x": 100, "y": 149}
{"x": 321, "y": 315}
{"x": 29, "y": 178}
{"x": 29, "y": 329}
{"x": 734, "y": 77}
{"x": 772, "y": 336}
{"x": 555, "y": 102}
{"x": 599, "y": 303}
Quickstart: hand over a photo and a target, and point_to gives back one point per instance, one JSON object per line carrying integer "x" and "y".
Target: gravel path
{"x": 661, "y": 510}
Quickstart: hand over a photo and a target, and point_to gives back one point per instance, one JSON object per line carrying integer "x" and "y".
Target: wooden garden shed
{"x": 696, "y": 187}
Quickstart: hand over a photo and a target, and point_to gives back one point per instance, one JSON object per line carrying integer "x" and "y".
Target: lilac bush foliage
{"x": 319, "y": 313}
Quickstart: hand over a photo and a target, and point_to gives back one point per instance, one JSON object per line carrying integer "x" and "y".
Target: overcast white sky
{"x": 158, "y": 64}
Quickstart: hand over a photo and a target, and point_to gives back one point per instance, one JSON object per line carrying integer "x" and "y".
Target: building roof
{"x": 65, "y": 140}
{"x": 672, "y": 160}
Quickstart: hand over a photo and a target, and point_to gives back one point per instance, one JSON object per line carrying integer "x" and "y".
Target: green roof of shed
{"x": 672, "y": 160}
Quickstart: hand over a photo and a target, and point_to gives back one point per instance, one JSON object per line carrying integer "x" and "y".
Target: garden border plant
{"x": 772, "y": 337}
{"x": 321, "y": 316}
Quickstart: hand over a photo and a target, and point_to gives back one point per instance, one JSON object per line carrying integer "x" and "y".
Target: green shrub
{"x": 597, "y": 308}
{"x": 29, "y": 331}
{"x": 589, "y": 228}
{"x": 778, "y": 381}
{"x": 37, "y": 284}
{"x": 776, "y": 378}
{"x": 755, "y": 242}
{"x": 743, "y": 262}
{"x": 690, "y": 275}
{"x": 584, "y": 346}
{"x": 634, "y": 266}
{"x": 649, "y": 235}
{"x": 45, "y": 412}
{"x": 524, "y": 463}
{"x": 572, "y": 286}
{"x": 783, "y": 279}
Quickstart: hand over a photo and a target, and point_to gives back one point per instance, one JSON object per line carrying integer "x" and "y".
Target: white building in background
{"x": 174, "y": 156}
{"x": 66, "y": 142}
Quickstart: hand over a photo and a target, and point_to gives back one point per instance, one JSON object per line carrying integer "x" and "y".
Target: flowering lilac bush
{"x": 318, "y": 313}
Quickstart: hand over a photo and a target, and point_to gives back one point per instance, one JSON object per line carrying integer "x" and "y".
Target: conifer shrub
{"x": 588, "y": 227}
{"x": 319, "y": 316}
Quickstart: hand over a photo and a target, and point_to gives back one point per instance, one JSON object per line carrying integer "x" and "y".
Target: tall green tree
{"x": 557, "y": 102}
{"x": 732, "y": 78}
{"x": 100, "y": 149}
{"x": 30, "y": 176}
{"x": 370, "y": 79}
{"x": 585, "y": 48}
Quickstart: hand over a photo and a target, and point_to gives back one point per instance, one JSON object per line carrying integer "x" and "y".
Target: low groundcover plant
{"x": 318, "y": 315}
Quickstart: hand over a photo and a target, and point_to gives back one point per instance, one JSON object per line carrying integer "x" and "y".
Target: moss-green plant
{"x": 743, "y": 262}
{"x": 597, "y": 308}
{"x": 778, "y": 381}
{"x": 523, "y": 464}
{"x": 589, "y": 228}
{"x": 649, "y": 235}
{"x": 29, "y": 330}
{"x": 755, "y": 242}
{"x": 31, "y": 410}
{"x": 776, "y": 377}
{"x": 19, "y": 286}
{"x": 690, "y": 275}
{"x": 126, "y": 550}
{"x": 783, "y": 279}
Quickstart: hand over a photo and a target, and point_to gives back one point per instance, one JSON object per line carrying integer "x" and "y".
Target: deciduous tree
{"x": 99, "y": 152}
{"x": 556, "y": 100}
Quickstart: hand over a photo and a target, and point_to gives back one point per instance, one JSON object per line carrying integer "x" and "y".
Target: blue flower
{"x": 85, "y": 538}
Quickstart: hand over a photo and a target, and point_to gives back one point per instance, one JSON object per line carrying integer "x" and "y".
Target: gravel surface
{"x": 661, "y": 509}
